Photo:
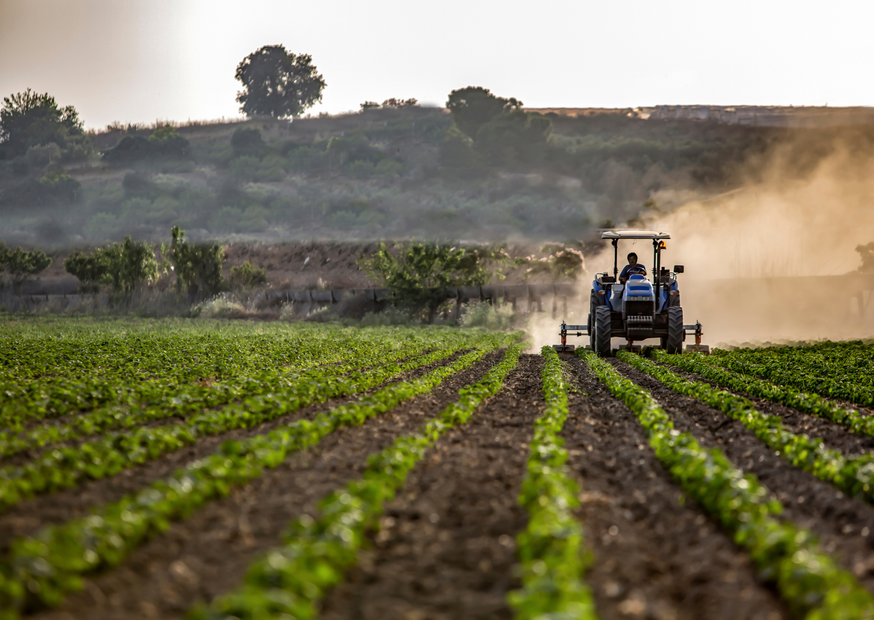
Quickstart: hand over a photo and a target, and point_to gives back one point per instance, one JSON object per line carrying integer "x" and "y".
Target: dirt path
{"x": 208, "y": 553}
{"x": 447, "y": 542}
{"x": 655, "y": 557}
{"x": 845, "y": 526}
{"x": 27, "y": 517}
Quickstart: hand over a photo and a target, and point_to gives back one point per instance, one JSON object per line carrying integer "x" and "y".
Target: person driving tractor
{"x": 632, "y": 268}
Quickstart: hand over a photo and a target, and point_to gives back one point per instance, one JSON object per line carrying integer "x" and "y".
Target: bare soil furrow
{"x": 27, "y": 517}
{"x": 207, "y": 554}
{"x": 446, "y": 545}
{"x": 844, "y": 525}
{"x": 656, "y": 554}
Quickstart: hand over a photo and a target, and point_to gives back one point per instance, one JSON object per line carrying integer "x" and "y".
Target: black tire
{"x": 673, "y": 343}
{"x": 602, "y": 332}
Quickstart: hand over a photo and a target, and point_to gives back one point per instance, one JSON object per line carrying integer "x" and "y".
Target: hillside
{"x": 384, "y": 173}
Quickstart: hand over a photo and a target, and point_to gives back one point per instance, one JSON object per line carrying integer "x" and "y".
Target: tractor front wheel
{"x": 602, "y": 331}
{"x": 673, "y": 342}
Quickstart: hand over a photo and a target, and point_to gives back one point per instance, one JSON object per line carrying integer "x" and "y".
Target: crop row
{"x": 42, "y": 569}
{"x": 24, "y": 401}
{"x": 184, "y": 401}
{"x": 290, "y": 581}
{"x": 30, "y": 351}
{"x": 66, "y": 467}
{"x": 808, "y": 579}
{"x": 808, "y": 403}
{"x": 853, "y": 475}
{"x": 551, "y": 547}
{"x": 834, "y": 370}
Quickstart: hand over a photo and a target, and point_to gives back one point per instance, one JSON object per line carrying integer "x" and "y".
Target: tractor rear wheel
{"x": 602, "y": 331}
{"x": 673, "y": 343}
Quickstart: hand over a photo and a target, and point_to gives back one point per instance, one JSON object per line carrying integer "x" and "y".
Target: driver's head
{"x": 632, "y": 258}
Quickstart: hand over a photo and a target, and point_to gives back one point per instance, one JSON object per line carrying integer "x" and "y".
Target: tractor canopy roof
{"x": 634, "y": 234}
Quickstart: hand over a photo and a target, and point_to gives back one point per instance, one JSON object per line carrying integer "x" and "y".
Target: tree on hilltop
{"x": 474, "y": 106}
{"x": 30, "y": 119}
{"x": 278, "y": 83}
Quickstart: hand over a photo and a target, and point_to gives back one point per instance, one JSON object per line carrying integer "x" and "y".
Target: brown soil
{"x": 844, "y": 525}
{"x": 27, "y": 517}
{"x": 447, "y": 542}
{"x": 656, "y": 554}
{"x": 207, "y": 554}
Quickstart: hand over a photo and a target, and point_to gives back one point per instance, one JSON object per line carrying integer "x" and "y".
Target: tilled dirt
{"x": 833, "y": 435}
{"x": 208, "y": 553}
{"x": 656, "y": 554}
{"x": 27, "y": 517}
{"x": 844, "y": 525}
{"x": 446, "y": 545}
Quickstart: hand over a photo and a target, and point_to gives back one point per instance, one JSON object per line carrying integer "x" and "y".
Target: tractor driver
{"x": 632, "y": 268}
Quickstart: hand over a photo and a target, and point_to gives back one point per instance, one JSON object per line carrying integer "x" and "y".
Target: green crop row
{"x": 802, "y": 401}
{"x": 185, "y": 401}
{"x": 23, "y": 401}
{"x": 41, "y": 570}
{"x": 853, "y": 475}
{"x": 551, "y": 547}
{"x": 834, "y": 370}
{"x": 814, "y": 587}
{"x": 289, "y": 582}
{"x": 66, "y": 467}
{"x": 31, "y": 351}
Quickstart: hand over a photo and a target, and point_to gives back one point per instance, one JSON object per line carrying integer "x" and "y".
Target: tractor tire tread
{"x": 676, "y": 333}
{"x": 602, "y": 331}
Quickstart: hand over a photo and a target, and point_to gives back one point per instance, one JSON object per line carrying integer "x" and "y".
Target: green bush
{"x": 21, "y": 264}
{"x": 417, "y": 272}
{"x": 124, "y": 266}
{"x": 247, "y": 276}
{"x": 42, "y": 155}
{"x": 247, "y": 141}
{"x": 198, "y": 267}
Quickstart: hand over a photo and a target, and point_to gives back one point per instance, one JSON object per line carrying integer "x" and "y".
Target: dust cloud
{"x": 774, "y": 260}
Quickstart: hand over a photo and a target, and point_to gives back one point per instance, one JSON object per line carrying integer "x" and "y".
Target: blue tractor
{"x": 639, "y": 309}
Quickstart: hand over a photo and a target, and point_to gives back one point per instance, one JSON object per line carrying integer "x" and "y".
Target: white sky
{"x": 148, "y": 60}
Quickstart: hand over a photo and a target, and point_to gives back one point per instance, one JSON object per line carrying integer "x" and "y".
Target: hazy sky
{"x": 145, "y": 60}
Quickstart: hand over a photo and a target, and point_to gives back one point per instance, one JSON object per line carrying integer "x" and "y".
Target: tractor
{"x": 638, "y": 309}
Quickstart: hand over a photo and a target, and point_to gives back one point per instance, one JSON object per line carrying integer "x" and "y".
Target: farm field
{"x": 218, "y": 469}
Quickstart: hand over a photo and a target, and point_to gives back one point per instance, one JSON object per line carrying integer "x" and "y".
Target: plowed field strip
{"x": 207, "y": 554}
{"x": 445, "y": 548}
{"x": 833, "y": 435}
{"x": 29, "y": 516}
{"x": 844, "y": 525}
{"x": 654, "y": 557}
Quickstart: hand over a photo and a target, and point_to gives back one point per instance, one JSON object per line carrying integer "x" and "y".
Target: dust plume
{"x": 771, "y": 260}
